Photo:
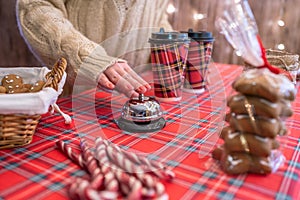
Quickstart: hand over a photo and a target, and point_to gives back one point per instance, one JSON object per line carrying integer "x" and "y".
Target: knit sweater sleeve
{"x": 44, "y": 26}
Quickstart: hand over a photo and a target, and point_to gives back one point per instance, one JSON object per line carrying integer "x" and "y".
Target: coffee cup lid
{"x": 199, "y": 35}
{"x": 168, "y": 37}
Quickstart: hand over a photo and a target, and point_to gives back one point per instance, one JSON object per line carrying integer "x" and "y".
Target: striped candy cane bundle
{"x": 155, "y": 167}
{"x": 115, "y": 173}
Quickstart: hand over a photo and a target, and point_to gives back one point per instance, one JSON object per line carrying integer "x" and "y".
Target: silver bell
{"x": 141, "y": 114}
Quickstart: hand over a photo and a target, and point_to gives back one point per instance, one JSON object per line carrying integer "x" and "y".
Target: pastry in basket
{"x": 27, "y": 86}
{"x": 2, "y": 89}
{"x": 13, "y": 84}
{"x": 39, "y": 85}
{"x": 265, "y": 84}
{"x": 12, "y": 81}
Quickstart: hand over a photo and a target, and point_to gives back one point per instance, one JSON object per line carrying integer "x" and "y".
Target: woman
{"x": 93, "y": 35}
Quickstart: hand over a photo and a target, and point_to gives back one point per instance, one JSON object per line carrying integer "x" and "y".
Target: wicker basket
{"x": 17, "y": 129}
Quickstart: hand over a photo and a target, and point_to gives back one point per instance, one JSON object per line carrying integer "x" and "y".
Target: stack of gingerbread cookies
{"x": 258, "y": 108}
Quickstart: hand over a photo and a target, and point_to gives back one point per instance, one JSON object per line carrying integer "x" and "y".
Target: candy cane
{"x": 90, "y": 161}
{"x": 154, "y": 193}
{"x": 73, "y": 191}
{"x": 91, "y": 165}
{"x": 80, "y": 189}
{"x": 97, "y": 182}
{"x": 156, "y": 167}
{"x": 129, "y": 184}
{"x": 69, "y": 152}
{"x": 130, "y": 167}
{"x": 110, "y": 181}
{"x": 126, "y": 164}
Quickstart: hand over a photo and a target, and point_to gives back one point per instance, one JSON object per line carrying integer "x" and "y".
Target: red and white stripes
{"x": 115, "y": 173}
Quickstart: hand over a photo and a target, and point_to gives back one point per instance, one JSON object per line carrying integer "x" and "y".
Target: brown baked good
{"x": 265, "y": 84}
{"x": 261, "y": 126}
{"x": 12, "y": 82}
{"x": 235, "y": 163}
{"x": 19, "y": 90}
{"x": 240, "y": 163}
{"x": 217, "y": 152}
{"x": 235, "y": 141}
{"x": 260, "y": 101}
{"x": 2, "y": 89}
{"x": 27, "y": 85}
{"x": 38, "y": 86}
{"x": 242, "y": 104}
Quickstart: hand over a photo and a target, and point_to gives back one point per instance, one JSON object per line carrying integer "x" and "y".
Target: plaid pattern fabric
{"x": 39, "y": 171}
{"x": 168, "y": 67}
{"x": 199, "y": 56}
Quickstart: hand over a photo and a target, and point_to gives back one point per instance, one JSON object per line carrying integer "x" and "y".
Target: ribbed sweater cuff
{"x": 93, "y": 65}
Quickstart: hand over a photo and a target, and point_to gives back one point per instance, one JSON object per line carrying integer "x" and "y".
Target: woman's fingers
{"x": 104, "y": 82}
{"x": 126, "y": 88}
{"x": 121, "y": 77}
{"x": 125, "y": 80}
{"x": 120, "y": 86}
{"x": 126, "y": 69}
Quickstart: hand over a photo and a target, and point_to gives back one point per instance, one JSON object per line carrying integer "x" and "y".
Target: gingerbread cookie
{"x": 37, "y": 86}
{"x": 242, "y": 104}
{"x": 18, "y": 90}
{"x": 235, "y": 141}
{"x": 240, "y": 163}
{"x": 27, "y": 85}
{"x": 261, "y": 126}
{"x": 265, "y": 84}
{"x": 12, "y": 82}
{"x": 2, "y": 90}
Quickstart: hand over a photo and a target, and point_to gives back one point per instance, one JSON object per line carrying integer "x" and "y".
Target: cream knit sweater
{"x": 90, "y": 34}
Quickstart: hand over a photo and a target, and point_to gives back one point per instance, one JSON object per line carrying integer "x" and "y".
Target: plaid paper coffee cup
{"x": 199, "y": 56}
{"x": 169, "y": 52}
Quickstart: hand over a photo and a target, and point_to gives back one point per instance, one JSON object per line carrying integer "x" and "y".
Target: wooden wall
{"x": 266, "y": 13}
{"x": 14, "y": 52}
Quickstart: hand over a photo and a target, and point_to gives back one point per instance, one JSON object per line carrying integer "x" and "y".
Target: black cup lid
{"x": 199, "y": 35}
{"x": 168, "y": 37}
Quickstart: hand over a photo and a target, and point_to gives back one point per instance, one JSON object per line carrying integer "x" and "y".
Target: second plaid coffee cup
{"x": 199, "y": 56}
{"x": 169, "y": 52}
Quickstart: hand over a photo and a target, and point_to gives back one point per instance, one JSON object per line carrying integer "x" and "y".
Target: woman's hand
{"x": 121, "y": 77}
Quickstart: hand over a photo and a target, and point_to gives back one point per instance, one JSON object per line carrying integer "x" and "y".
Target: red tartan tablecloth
{"x": 40, "y": 171}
